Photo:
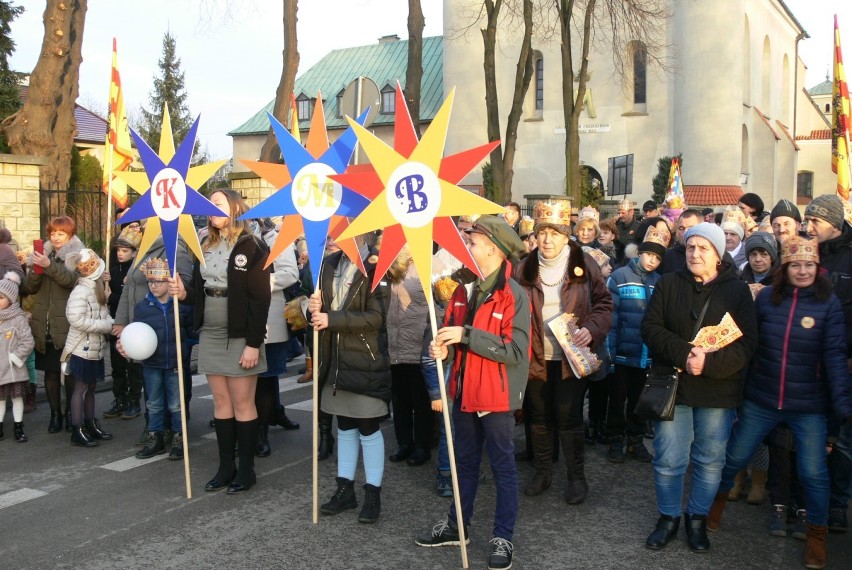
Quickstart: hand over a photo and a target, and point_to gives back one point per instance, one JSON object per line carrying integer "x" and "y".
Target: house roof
{"x": 824, "y": 88}
{"x": 90, "y": 128}
{"x": 709, "y": 195}
{"x": 384, "y": 63}
{"x": 815, "y": 135}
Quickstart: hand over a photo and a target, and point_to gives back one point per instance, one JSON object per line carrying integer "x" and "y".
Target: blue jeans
{"x": 162, "y": 390}
{"x": 699, "y": 435}
{"x": 495, "y": 431}
{"x": 809, "y": 432}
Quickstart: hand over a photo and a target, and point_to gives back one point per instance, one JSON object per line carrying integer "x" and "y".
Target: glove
{"x": 14, "y": 359}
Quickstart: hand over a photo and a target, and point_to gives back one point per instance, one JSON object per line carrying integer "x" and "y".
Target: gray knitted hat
{"x": 710, "y": 232}
{"x": 764, "y": 241}
{"x": 829, "y": 208}
{"x": 9, "y": 286}
{"x": 785, "y": 208}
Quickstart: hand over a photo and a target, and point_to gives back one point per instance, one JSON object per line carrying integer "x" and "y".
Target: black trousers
{"x": 412, "y": 410}
{"x": 624, "y": 390}
{"x": 557, "y": 402}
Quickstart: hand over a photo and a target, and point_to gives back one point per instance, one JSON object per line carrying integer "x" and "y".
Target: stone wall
{"x": 251, "y": 187}
{"x": 19, "y": 196}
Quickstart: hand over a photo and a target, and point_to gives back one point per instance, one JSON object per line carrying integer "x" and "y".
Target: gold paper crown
{"x": 589, "y": 213}
{"x": 626, "y": 204}
{"x": 600, "y": 257}
{"x": 131, "y": 236}
{"x": 798, "y": 248}
{"x": 749, "y": 224}
{"x": 156, "y": 269}
{"x": 654, "y": 236}
{"x": 527, "y": 225}
{"x": 734, "y": 215}
{"x": 89, "y": 263}
{"x": 555, "y": 213}
{"x": 847, "y": 211}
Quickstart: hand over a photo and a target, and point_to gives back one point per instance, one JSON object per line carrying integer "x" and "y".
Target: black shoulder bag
{"x": 657, "y": 400}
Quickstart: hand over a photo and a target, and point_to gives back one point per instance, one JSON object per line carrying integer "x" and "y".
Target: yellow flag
{"x": 840, "y": 121}
{"x": 117, "y": 150}
{"x": 294, "y": 119}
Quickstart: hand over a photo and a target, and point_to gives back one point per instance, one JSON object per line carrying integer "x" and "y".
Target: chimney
{"x": 388, "y": 39}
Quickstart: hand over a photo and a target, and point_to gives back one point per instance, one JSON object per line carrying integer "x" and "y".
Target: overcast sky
{"x": 231, "y": 49}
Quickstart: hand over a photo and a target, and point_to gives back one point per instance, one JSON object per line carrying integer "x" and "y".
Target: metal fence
{"x": 87, "y": 207}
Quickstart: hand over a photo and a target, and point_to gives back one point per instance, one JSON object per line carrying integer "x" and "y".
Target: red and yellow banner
{"x": 840, "y": 121}
{"x": 294, "y": 119}
{"x": 117, "y": 150}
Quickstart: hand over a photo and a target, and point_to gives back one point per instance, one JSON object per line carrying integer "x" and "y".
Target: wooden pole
{"x": 445, "y": 412}
{"x": 109, "y": 211}
{"x": 315, "y": 424}
{"x": 186, "y": 475}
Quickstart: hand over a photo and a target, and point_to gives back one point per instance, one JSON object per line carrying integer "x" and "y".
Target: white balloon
{"x": 139, "y": 341}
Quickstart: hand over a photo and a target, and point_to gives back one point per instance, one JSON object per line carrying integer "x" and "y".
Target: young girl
{"x": 16, "y": 341}
{"x": 89, "y": 324}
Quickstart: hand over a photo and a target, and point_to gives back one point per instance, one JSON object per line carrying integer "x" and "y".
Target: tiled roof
{"x": 815, "y": 135}
{"x": 824, "y": 88}
{"x": 709, "y": 195}
{"x": 90, "y": 128}
{"x": 384, "y": 63}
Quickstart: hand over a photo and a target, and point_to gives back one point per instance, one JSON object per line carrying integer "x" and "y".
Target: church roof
{"x": 384, "y": 63}
{"x": 710, "y": 195}
{"x": 824, "y": 88}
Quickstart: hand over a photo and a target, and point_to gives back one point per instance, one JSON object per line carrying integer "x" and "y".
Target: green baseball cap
{"x": 500, "y": 233}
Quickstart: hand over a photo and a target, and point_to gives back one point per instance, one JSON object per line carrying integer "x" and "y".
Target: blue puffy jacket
{"x": 161, "y": 318}
{"x": 630, "y": 288}
{"x": 800, "y": 364}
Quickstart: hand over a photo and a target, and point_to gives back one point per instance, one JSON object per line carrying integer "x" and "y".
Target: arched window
{"x": 827, "y": 108}
{"x": 766, "y": 69}
{"x": 744, "y": 156}
{"x": 640, "y": 72}
{"x": 746, "y": 64}
{"x": 786, "y": 87}
{"x": 304, "y": 107}
{"x": 388, "y": 100}
{"x": 804, "y": 184}
{"x": 538, "y": 65}
{"x": 339, "y": 100}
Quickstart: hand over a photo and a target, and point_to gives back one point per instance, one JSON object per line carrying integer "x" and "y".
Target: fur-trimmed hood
{"x": 74, "y": 245}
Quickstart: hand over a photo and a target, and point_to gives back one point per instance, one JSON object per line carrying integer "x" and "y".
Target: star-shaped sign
{"x": 168, "y": 192}
{"x": 309, "y": 200}
{"x": 415, "y": 192}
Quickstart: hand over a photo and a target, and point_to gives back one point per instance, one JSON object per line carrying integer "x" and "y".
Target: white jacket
{"x": 285, "y": 273}
{"x": 89, "y": 323}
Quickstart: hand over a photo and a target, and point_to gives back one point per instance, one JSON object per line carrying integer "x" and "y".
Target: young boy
{"x": 126, "y": 378}
{"x": 160, "y": 370}
{"x": 631, "y": 287}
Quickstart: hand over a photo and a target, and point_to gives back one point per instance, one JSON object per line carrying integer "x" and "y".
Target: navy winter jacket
{"x": 801, "y": 359}
{"x": 630, "y": 288}
{"x": 161, "y": 318}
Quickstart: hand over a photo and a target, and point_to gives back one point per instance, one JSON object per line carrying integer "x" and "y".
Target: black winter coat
{"x": 353, "y": 355}
{"x": 835, "y": 256}
{"x": 669, "y": 326}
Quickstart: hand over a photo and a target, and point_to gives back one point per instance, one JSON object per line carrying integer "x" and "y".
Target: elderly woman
{"x": 52, "y": 286}
{"x": 710, "y": 386}
{"x": 800, "y": 374}
{"x": 560, "y": 278}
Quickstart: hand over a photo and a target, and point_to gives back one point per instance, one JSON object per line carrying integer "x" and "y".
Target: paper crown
{"x": 526, "y": 226}
{"x": 749, "y": 225}
{"x": 734, "y": 215}
{"x": 600, "y": 257}
{"x": 89, "y": 264}
{"x": 589, "y": 213}
{"x": 554, "y": 212}
{"x": 131, "y": 236}
{"x": 765, "y": 225}
{"x": 626, "y": 204}
{"x": 653, "y": 235}
{"x": 847, "y": 211}
{"x": 469, "y": 219}
{"x": 156, "y": 269}
{"x": 798, "y": 248}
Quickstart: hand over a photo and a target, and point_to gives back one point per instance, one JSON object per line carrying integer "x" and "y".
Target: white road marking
{"x": 19, "y": 496}
{"x": 306, "y": 406}
{"x": 199, "y": 380}
{"x": 131, "y": 462}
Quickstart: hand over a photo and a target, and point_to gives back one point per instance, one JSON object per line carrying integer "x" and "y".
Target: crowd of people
{"x": 569, "y": 308}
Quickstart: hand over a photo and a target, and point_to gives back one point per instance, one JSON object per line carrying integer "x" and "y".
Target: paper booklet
{"x": 582, "y": 359}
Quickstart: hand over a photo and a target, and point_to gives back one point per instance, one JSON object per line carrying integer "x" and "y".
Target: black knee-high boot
{"x": 247, "y": 441}
{"x": 226, "y": 437}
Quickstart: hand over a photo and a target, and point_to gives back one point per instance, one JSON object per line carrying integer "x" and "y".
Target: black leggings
{"x": 52, "y": 382}
{"x": 558, "y": 401}
{"x": 82, "y": 402}
{"x": 264, "y": 398}
{"x": 365, "y": 426}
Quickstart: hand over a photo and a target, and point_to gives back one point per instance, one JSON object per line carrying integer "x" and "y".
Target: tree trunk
{"x": 45, "y": 125}
{"x": 414, "y": 70}
{"x": 290, "y": 56}
{"x": 492, "y": 109}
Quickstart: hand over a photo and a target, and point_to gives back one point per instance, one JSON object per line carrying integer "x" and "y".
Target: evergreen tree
{"x": 10, "y": 95}
{"x": 660, "y": 183}
{"x": 169, "y": 89}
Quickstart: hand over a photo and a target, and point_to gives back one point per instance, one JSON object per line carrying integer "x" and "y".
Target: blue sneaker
{"x": 443, "y": 486}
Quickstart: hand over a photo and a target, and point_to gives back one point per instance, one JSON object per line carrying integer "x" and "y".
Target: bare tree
{"x": 414, "y": 70}
{"x": 503, "y": 157}
{"x": 608, "y": 25}
{"x": 45, "y": 125}
{"x": 290, "y": 57}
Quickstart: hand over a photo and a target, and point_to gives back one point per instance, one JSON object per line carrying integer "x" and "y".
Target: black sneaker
{"x": 837, "y": 520}
{"x": 132, "y": 410}
{"x": 501, "y": 554}
{"x": 176, "y": 452}
{"x": 445, "y": 533}
{"x": 778, "y": 521}
{"x": 117, "y": 408}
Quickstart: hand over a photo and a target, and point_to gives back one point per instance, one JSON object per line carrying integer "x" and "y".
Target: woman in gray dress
{"x": 354, "y": 373}
{"x": 231, "y": 296}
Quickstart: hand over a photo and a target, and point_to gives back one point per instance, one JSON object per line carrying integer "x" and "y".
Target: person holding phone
{"x": 50, "y": 278}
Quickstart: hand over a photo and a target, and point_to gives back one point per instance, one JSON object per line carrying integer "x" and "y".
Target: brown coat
{"x": 593, "y": 310}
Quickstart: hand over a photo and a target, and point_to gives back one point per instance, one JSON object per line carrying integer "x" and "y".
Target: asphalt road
{"x": 68, "y": 507}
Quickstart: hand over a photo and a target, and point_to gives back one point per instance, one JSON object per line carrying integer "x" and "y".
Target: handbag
{"x": 657, "y": 400}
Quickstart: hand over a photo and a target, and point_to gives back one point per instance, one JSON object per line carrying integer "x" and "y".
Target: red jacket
{"x": 494, "y": 353}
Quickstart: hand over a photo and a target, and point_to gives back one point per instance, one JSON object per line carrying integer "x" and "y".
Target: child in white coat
{"x": 16, "y": 343}
{"x": 89, "y": 324}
